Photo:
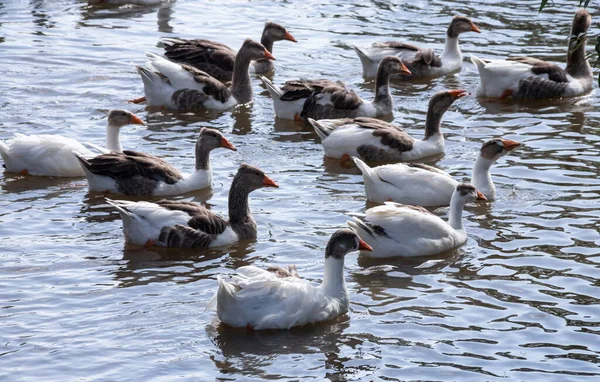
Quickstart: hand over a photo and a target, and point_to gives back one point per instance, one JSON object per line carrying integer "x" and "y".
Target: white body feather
{"x": 498, "y": 76}
{"x": 143, "y": 222}
{"x": 371, "y": 56}
{"x": 405, "y": 184}
{"x": 263, "y": 301}
{"x": 345, "y": 139}
{"x": 43, "y": 155}
{"x": 407, "y": 232}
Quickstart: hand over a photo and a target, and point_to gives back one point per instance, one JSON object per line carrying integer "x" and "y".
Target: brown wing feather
{"x": 397, "y": 45}
{"x": 426, "y": 57}
{"x": 298, "y": 89}
{"x": 555, "y": 73}
{"x": 131, "y": 163}
{"x": 211, "y": 57}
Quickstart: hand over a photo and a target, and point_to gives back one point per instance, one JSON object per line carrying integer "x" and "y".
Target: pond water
{"x": 518, "y": 301}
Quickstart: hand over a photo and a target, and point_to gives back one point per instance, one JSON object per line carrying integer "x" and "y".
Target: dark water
{"x": 518, "y": 301}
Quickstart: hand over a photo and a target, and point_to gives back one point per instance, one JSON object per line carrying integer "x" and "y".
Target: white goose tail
{"x": 4, "y": 149}
{"x": 322, "y": 129}
{"x": 273, "y": 90}
{"x": 479, "y": 63}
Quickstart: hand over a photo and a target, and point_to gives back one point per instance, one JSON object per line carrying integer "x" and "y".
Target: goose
{"x": 427, "y": 186}
{"x": 320, "y": 99}
{"x": 395, "y": 229}
{"x": 50, "y": 155}
{"x": 265, "y": 301}
{"x": 135, "y": 173}
{"x": 182, "y": 87}
{"x": 374, "y": 140}
{"x": 422, "y": 62}
{"x": 218, "y": 59}
{"x": 532, "y": 78}
{"x": 181, "y": 224}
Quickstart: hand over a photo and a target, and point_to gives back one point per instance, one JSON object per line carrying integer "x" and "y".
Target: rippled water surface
{"x": 518, "y": 301}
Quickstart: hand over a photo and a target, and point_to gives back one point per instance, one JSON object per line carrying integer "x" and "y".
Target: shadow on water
{"x": 142, "y": 265}
{"x": 250, "y": 352}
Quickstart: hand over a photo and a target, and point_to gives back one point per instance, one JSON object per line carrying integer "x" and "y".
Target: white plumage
{"x": 395, "y": 229}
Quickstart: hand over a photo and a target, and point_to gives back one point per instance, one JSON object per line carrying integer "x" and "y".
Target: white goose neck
{"x": 113, "y": 142}
{"x": 333, "y": 278}
{"x": 451, "y": 49}
{"x": 481, "y": 177}
{"x": 456, "y": 210}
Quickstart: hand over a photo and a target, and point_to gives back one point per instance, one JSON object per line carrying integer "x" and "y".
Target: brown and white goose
{"x": 374, "y": 140}
{"x": 182, "y": 87}
{"x": 427, "y": 186}
{"x": 135, "y": 173}
{"x": 321, "y": 99}
{"x": 218, "y": 59}
{"x": 51, "y": 155}
{"x": 180, "y": 224}
{"x": 532, "y": 78}
{"x": 422, "y": 62}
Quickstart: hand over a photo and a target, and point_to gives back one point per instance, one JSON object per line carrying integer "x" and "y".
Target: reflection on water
{"x": 518, "y": 301}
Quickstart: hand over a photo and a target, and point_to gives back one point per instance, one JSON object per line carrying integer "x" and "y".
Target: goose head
{"x": 254, "y": 50}
{"x": 252, "y": 178}
{"x": 393, "y": 65}
{"x": 276, "y": 32}
{"x": 581, "y": 22}
{"x": 211, "y": 139}
{"x": 441, "y": 101}
{"x": 119, "y": 118}
{"x": 467, "y": 193}
{"x": 343, "y": 242}
{"x": 461, "y": 24}
{"x": 493, "y": 149}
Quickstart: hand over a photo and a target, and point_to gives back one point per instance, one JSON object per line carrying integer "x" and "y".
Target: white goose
{"x": 427, "y": 186}
{"x": 178, "y": 224}
{"x": 135, "y": 173}
{"x": 50, "y": 155}
{"x": 261, "y": 300}
{"x": 374, "y": 140}
{"x": 532, "y": 78}
{"x": 422, "y": 62}
{"x": 182, "y": 87}
{"x": 407, "y": 231}
{"x": 322, "y": 99}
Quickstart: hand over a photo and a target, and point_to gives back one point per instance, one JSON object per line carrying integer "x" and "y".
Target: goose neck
{"x": 241, "y": 86}
{"x": 457, "y": 205}
{"x": 113, "y": 141}
{"x": 333, "y": 277}
{"x": 239, "y": 208}
{"x": 451, "y": 48}
{"x": 432, "y": 123}
{"x": 481, "y": 177}
{"x": 267, "y": 41}
{"x": 577, "y": 64}
{"x": 382, "y": 88}
{"x": 202, "y": 157}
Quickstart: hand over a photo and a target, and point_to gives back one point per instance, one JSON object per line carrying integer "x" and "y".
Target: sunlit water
{"x": 518, "y": 301}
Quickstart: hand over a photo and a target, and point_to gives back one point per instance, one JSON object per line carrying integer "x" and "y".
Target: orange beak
{"x": 404, "y": 70}
{"x": 480, "y": 196}
{"x": 268, "y": 55}
{"x": 364, "y": 246}
{"x": 289, "y": 37}
{"x": 135, "y": 120}
{"x": 474, "y": 28}
{"x": 268, "y": 182}
{"x": 456, "y": 94}
{"x": 509, "y": 145}
{"x": 227, "y": 145}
